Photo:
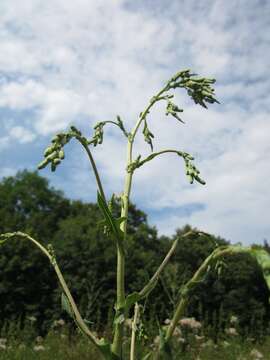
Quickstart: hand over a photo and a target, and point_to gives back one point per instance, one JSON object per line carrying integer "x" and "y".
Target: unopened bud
{"x": 43, "y": 164}
{"x": 49, "y": 150}
{"x": 61, "y": 154}
{"x": 56, "y": 161}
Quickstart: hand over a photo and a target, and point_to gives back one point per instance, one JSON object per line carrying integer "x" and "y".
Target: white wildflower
{"x": 3, "y": 341}
{"x": 233, "y": 319}
{"x": 32, "y": 318}
{"x": 256, "y": 354}
{"x": 3, "y": 347}
{"x": 39, "y": 339}
{"x": 225, "y": 343}
{"x": 231, "y": 331}
{"x": 199, "y": 338}
{"x": 61, "y": 322}
{"x": 39, "y": 348}
{"x": 191, "y": 323}
{"x": 181, "y": 340}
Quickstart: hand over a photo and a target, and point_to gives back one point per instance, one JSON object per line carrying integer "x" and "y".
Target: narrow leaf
{"x": 66, "y": 305}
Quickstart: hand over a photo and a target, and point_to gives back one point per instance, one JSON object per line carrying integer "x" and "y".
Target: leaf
{"x": 121, "y": 125}
{"x": 105, "y": 348}
{"x": 164, "y": 347}
{"x": 131, "y": 299}
{"x": 148, "y": 135}
{"x": 112, "y": 223}
{"x": 147, "y": 356}
{"x": 263, "y": 260}
{"x": 66, "y": 305}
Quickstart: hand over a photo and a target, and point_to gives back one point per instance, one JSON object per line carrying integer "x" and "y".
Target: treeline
{"x": 28, "y": 286}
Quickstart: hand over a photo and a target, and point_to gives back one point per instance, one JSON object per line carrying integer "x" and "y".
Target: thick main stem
{"x": 120, "y": 299}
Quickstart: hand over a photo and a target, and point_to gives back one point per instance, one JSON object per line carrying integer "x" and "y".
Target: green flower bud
{"x": 55, "y": 139}
{"x": 56, "y": 161}
{"x": 190, "y": 179}
{"x": 52, "y": 156}
{"x": 43, "y": 164}
{"x": 61, "y": 154}
{"x": 49, "y": 150}
{"x": 53, "y": 167}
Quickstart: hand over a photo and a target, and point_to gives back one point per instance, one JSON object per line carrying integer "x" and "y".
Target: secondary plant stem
{"x": 77, "y": 316}
{"x": 134, "y": 330}
{"x": 93, "y": 166}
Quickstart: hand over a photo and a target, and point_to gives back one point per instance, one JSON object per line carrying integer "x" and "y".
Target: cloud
{"x": 64, "y": 62}
{"x": 21, "y": 134}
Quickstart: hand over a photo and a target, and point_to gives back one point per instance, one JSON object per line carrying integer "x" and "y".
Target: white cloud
{"x": 65, "y": 62}
{"x": 21, "y": 134}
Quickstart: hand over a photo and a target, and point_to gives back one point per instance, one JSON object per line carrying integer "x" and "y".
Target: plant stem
{"x": 146, "y": 111}
{"x": 93, "y": 166}
{"x": 77, "y": 316}
{"x": 120, "y": 278}
{"x": 134, "y": 330}
{"x": 197, "y": 278}
{"x": 152, "y": 282}
{"x": 120, "y": 299}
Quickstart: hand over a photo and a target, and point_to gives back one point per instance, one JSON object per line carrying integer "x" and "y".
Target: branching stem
{"x": 92, "y": 161}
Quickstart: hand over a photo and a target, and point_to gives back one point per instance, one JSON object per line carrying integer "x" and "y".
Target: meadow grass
{"x": 61, "y": 344}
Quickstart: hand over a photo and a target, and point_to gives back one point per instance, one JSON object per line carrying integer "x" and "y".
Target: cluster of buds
{"x": 148, "y": 135}
{"x": 191, "y": 171}
{"x": 199, "y": 89}
{"x": 173, "y": 110}
{"x": 55, "y": 153}
{"x": 98, "y": 135}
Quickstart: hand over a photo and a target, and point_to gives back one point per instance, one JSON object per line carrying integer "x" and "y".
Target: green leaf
{"x": 66, "y": 305}
{"x": 131, "y": 299}
{"x": 164, "y": 346}
{"x": 112, "y": 223}
{"x": 105, "y": 348}
{"x": 148, "y": 135}
{"x": 263, "y": 260}
{"x": 147, "y": 356}
{"x": 121, "y": 125}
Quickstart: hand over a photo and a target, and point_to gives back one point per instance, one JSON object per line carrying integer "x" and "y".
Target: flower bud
{"x": 52, "y": 156}
{"x": 49, "y": 150}
{"x": 61, "y": 154}
{"x": 43, "y": 164}
{"x": 56, "y": 161}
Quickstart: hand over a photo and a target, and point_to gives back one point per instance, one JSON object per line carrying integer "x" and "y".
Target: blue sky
{"x": 65, "y": 62}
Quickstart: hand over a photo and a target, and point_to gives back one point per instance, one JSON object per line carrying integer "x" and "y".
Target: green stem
{"x": 197, "y": 277}
{"x": 92, "y": 161}
{"x": 77, "y": 316}
{"x": 146, "y": 111}
{"x": 134, "y": 330}
{"x": 152, "y": 282}
{"x": 120, "y": 278}
{"x": 120, "y": 297}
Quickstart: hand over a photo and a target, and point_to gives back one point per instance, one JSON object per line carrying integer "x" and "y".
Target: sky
{"x": 77, "y": 63}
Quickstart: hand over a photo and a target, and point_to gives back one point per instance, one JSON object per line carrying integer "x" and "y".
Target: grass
{"x": 60, "y": 345}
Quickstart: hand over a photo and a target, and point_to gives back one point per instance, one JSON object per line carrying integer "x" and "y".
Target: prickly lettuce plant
{"x": 202, "y": 93}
